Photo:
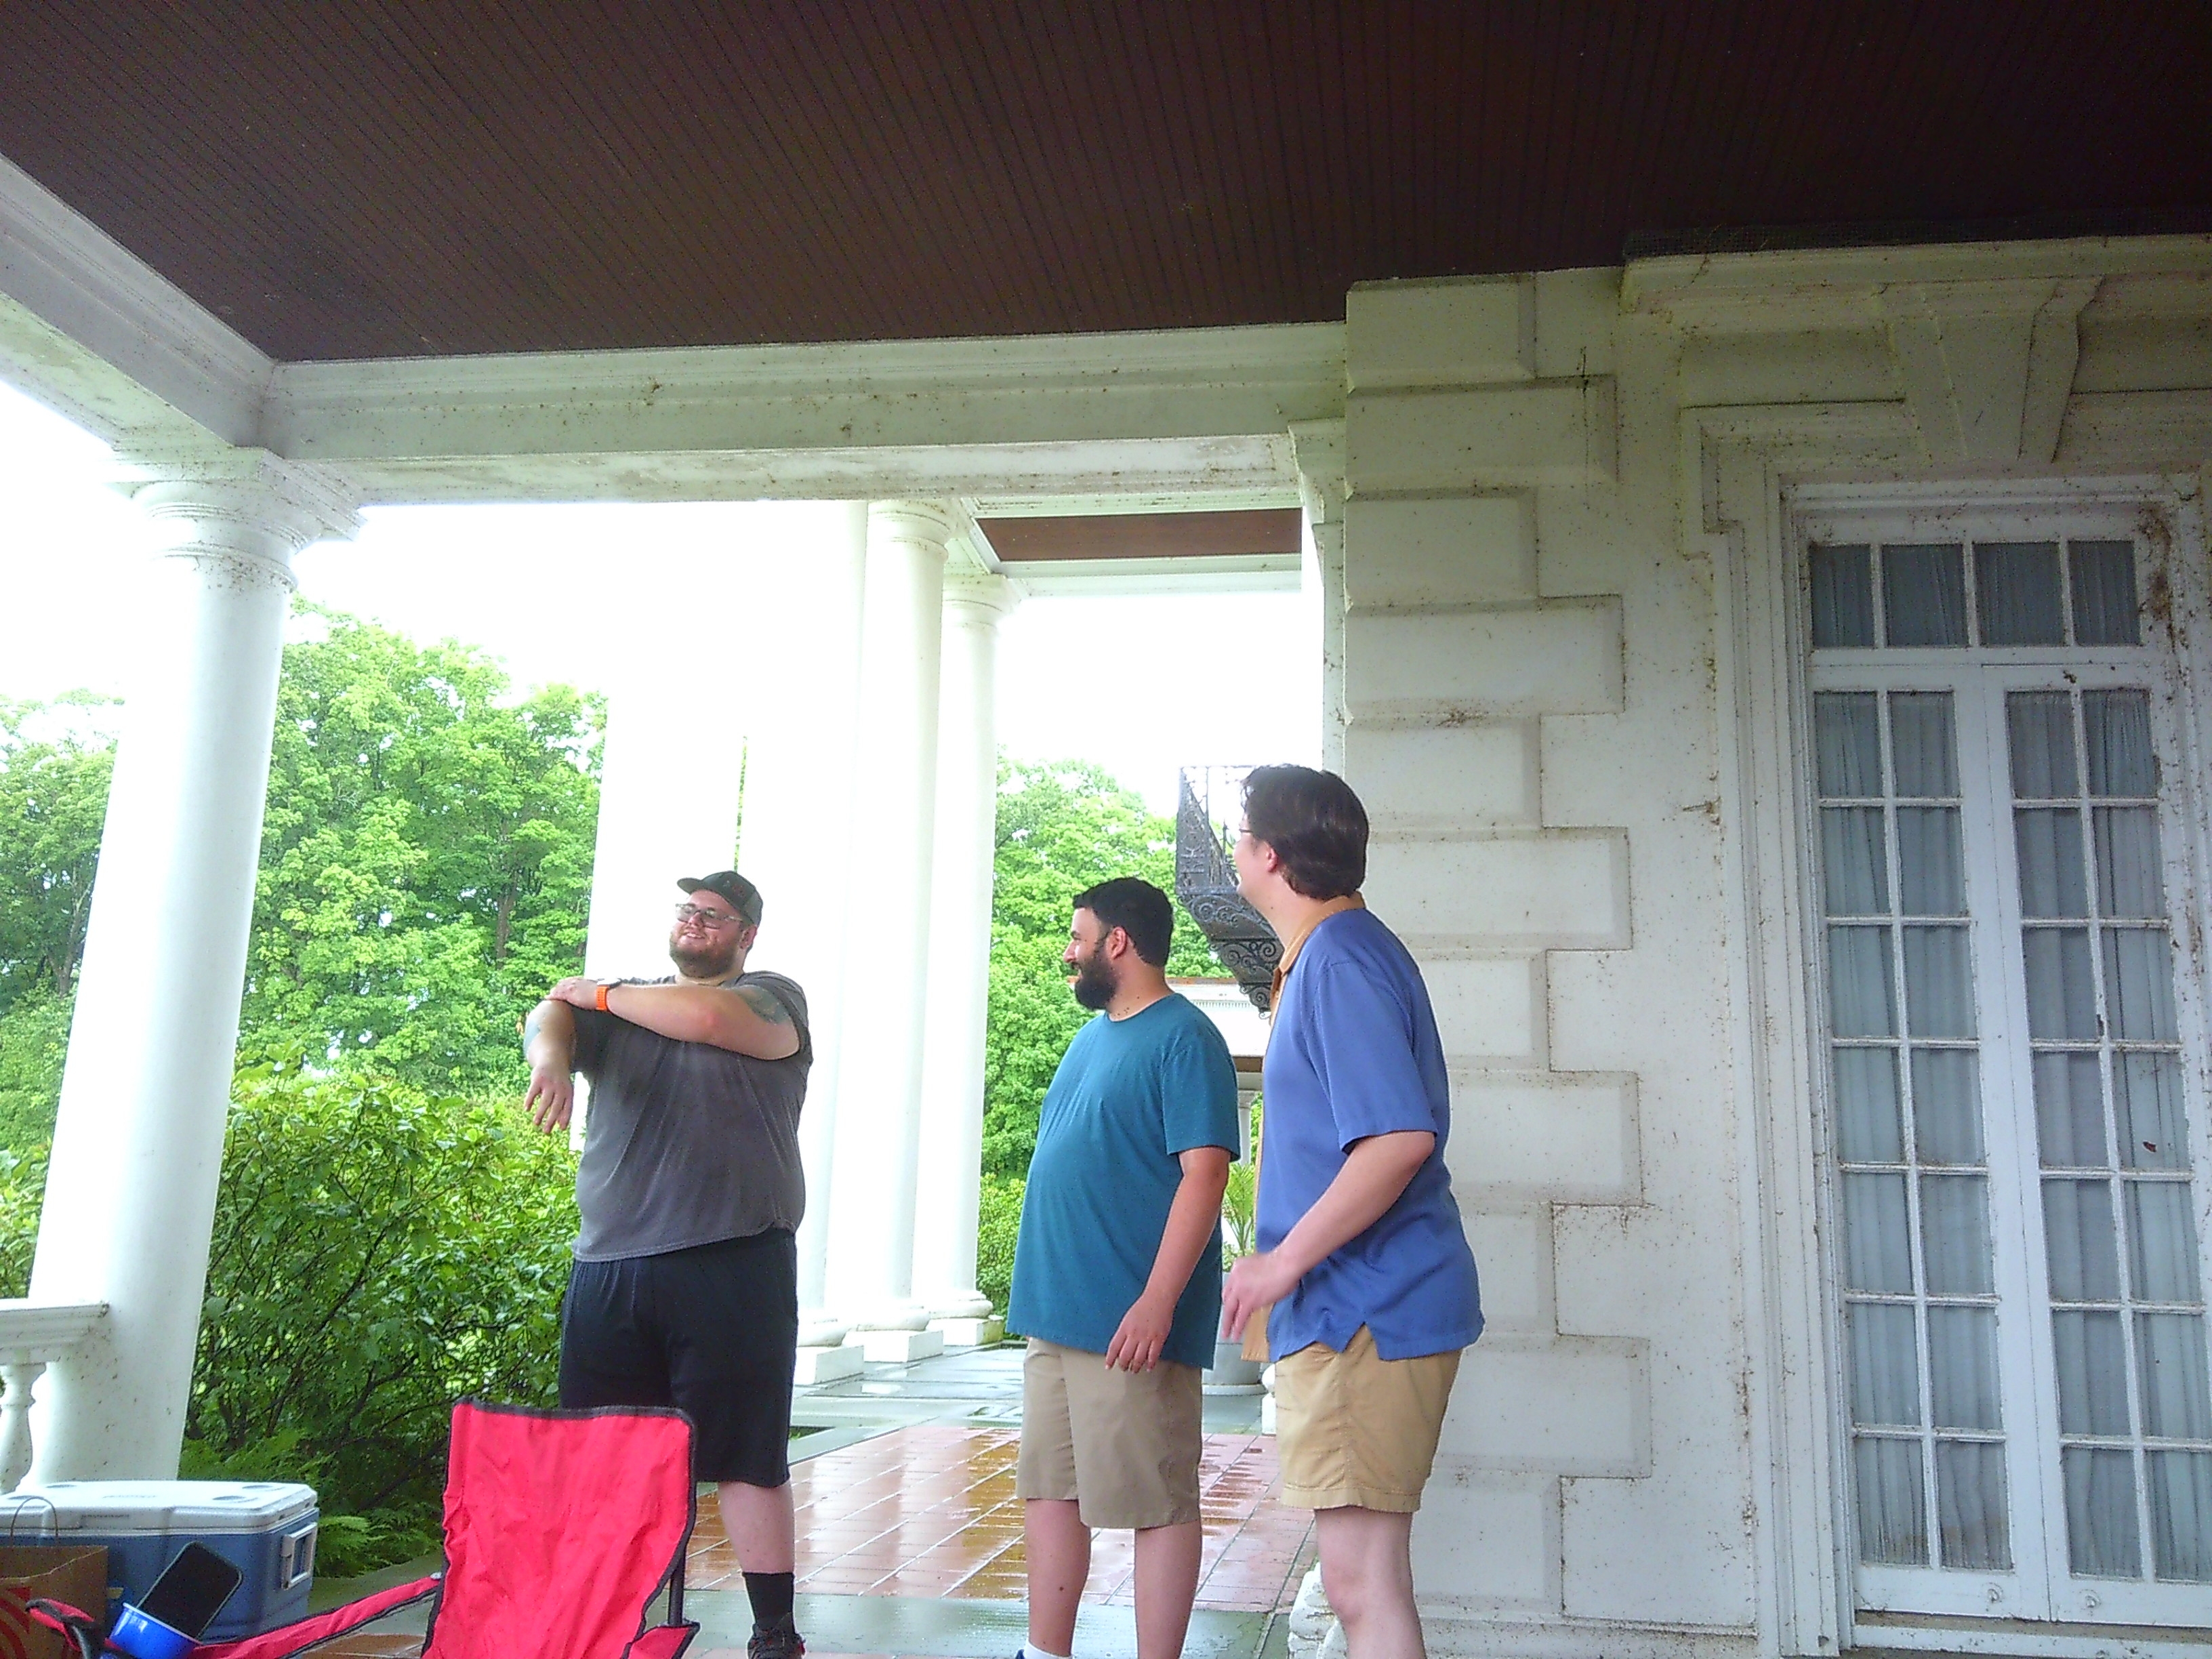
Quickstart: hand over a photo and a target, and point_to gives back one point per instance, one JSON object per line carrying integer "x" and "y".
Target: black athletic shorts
{"x": 712, "y": 1330}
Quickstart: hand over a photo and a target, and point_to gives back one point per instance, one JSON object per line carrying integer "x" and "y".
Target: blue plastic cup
{"x": 149, "y": 1639}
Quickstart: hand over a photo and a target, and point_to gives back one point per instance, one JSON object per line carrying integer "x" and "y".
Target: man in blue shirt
{"x": 1117, "y": 1276}
{"x": 1363, "y": 1276}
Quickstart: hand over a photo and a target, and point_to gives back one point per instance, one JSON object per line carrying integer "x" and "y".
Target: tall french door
{"x": 2016, "y": 1068}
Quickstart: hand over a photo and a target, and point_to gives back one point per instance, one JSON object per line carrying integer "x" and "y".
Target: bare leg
{"x": 758, "y": 1520}
{"x": 1058, "y": 1546}
{"x": 1166, "y": 1584}
{"x": 1367, "y": 1568}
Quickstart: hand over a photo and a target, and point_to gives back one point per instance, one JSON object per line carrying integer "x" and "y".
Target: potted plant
{"x": 1239, "y": 1207}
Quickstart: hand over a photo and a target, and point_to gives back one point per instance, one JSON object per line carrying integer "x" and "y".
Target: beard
{"x": 1095, "y": 981}
{"x": 711, "y": 961}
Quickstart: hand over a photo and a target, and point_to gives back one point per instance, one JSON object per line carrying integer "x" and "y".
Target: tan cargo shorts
{"x": 1123, "y": 1446}
{"x": 1356, "y": 1429}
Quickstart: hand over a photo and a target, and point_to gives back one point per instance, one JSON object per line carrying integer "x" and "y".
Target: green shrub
{"x": 22, "y": 1190}
{"x": 378, "y": 1254}
{"x": 998, "y": 1218}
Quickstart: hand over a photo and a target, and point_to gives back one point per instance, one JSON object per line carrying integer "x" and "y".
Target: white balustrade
{"x": 33, "y": 1336}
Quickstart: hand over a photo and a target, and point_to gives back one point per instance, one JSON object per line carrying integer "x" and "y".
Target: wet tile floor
{"x": 929, "y": 1511}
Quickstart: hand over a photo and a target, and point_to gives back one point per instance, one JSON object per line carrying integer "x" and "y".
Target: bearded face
{"x": 1096, "y": 981}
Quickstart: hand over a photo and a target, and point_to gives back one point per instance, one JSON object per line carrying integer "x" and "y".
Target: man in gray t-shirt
{"x": 684, "y": 1287}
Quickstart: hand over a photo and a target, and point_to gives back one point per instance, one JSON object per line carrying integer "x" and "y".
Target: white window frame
{"x": 2038, "y": 1589}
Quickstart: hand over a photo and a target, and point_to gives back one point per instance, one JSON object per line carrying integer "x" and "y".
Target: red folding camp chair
{"x": 560, "y": 1528}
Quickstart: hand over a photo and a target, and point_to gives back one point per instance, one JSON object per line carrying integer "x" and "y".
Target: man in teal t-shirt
{"x": 1117, "y": 1276}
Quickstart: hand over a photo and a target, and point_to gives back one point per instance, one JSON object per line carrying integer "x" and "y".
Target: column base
{"x": 970, "y": 1332}
{"x": 959, "y": 1305}
{"x": 819, "y": 1329}
{"x": 892, "y": 1316}
{"x": 896, "y": 1348}
{"x": 826, "y": 1364}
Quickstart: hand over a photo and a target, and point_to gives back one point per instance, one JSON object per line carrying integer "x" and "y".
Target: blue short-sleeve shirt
{"x": 1130, "y": 1097}
{"x": 1354, "y": 1052}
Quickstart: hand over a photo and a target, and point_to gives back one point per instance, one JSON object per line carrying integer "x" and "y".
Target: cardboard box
{"x": 75, "y": 1573}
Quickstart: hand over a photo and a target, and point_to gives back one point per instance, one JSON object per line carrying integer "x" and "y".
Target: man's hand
{"x": 1255, "y": 1282}
{"x": 552, "y": 1097}
{"x": 1136, "y": 1346}
{"x": 577, "y": 992}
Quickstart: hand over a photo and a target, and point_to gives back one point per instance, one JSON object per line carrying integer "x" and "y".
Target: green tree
{"x": 426, "y": 858}
{"x": 1062, "y": 826}
{"x": 56, "y": 760}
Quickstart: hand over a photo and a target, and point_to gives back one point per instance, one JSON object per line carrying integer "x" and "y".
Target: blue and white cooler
{"x": 266, "y": 1528}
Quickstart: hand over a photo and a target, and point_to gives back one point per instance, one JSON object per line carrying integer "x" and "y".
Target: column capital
{"x": 1317, "y": 447}
{"x": 979, "y": 600}
{"x": 245, "y": 509}
{"x": 930, "y": 523}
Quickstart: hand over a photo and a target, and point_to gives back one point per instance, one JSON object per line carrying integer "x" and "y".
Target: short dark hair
{"x": 1315, "y": 825}
{"x": 1139, "y": 909}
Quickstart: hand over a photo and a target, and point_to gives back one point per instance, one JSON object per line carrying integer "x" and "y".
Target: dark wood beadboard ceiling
{"x": 371, "y": 178}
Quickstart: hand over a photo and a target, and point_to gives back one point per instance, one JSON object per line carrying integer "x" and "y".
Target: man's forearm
{"x": 1376, "y": 1171}
{"x": 1191, "y": 1221}
{"x": 747, "y": 1020}
{"x": 549, "y": 1035}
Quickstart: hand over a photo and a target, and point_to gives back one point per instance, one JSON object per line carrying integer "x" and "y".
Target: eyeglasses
{"x": 704, "y": 917}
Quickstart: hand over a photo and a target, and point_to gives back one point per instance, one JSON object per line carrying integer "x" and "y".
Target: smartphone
{"x": 191, "y": 1591}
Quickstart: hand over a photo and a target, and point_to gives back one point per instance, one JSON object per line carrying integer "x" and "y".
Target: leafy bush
{"x": 999, "y": 1220}
{"x": 378, "y": 1254}
{"x": 22, "y": 1189}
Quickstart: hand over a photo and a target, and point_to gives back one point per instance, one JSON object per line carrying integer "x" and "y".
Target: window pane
{"x": 1877, "y": 1236}
{"x": 1962, "y": 1368}
{"x": 1923, "y": 595}
{"x": 2180, "y": 1515}
{"x": 2016, "y": 591}
{"x": 1930, "y": 869}
{"x": 1947, "y": 1105}
{"x": 2079, "y": 1240}
{"x": 2062, "y": 994}
{"x": 1920, "y": 739}
{"x": 1867, "y": 1122}
{"x": 1862, "y": 988}
{"x": 1955, "y": 1234}
{"x": 1847, "y": 744}
{"x": 2070, "y": 1111}
{"x": 2100, "y": 1513}
{"x": 1970, "y": 1495}
{"x": 2051, "y": 883}
{"x": 2093, "y": 1373}
{"x": 1893, "y": 1504}
{"x": 1885, "y": 1366}
{"x": 1939, "y": 982}
{"x": 2104, "y": 593}
{"x": 2147, "y": 1098}
{"x": 2176, "y": 1401}
{"x": 2041, "y": 727}
{"x": 2131, "y": 878}
{"x": 2161, "y": 1241}
{"x": 1843, "y": 598}
{"x": 2138, "y": 984}
{"x": 2116, "y": 725}
{"x": 1854, "y": 861}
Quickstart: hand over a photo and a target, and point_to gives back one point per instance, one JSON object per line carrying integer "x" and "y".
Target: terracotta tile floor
{"x": 930, "y": 1511}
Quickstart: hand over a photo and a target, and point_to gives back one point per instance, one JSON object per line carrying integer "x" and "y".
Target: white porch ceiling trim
{"x": 1190, "y": 418}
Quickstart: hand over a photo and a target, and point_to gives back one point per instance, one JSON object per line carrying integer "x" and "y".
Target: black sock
{"x": 770, "y": 1594}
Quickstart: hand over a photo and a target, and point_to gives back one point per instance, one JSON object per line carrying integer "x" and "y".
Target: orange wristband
{"x": 600, "y": 1001}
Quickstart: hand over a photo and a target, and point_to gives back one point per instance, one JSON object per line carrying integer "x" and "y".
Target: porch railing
{"x": 33, "y": 1336}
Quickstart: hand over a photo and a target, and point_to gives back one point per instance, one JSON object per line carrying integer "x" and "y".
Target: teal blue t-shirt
{"x": 1129, "y": 1096}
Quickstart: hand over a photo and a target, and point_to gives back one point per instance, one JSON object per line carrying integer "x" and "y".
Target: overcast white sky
{"x": 1141, "y": 686}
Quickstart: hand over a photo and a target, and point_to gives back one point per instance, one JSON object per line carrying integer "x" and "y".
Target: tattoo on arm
{"x": 766, "y": 1004}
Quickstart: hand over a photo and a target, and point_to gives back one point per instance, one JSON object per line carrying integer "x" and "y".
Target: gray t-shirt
{"x": 685, "y": 1143}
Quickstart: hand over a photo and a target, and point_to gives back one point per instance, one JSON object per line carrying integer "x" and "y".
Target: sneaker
{"x": 781, "y": 1643}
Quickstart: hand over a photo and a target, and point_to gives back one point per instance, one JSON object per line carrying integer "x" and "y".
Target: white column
{"x": 803, "y": 641}
{"x": 950, "y": 1187}
{"x": 137, "y": 1150}
{"x": 879, "y": 1089}
{"x": 1319, "y": 448}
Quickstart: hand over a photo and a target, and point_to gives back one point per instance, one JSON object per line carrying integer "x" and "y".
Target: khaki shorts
{"x": 1356, "y": 1429}
{"x": 1124, "y": 1445}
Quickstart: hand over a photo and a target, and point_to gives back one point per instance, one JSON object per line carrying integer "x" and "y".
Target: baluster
{"x": 16, "y": 1421}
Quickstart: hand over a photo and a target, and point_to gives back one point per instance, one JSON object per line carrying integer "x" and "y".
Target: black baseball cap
{"x": 744, "y": 898}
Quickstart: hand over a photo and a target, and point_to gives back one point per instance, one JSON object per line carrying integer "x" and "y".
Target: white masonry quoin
{"x": 949, "y": 1191}
{"x": 880, "y": 1086}
{"x": 137, "y": 1147}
